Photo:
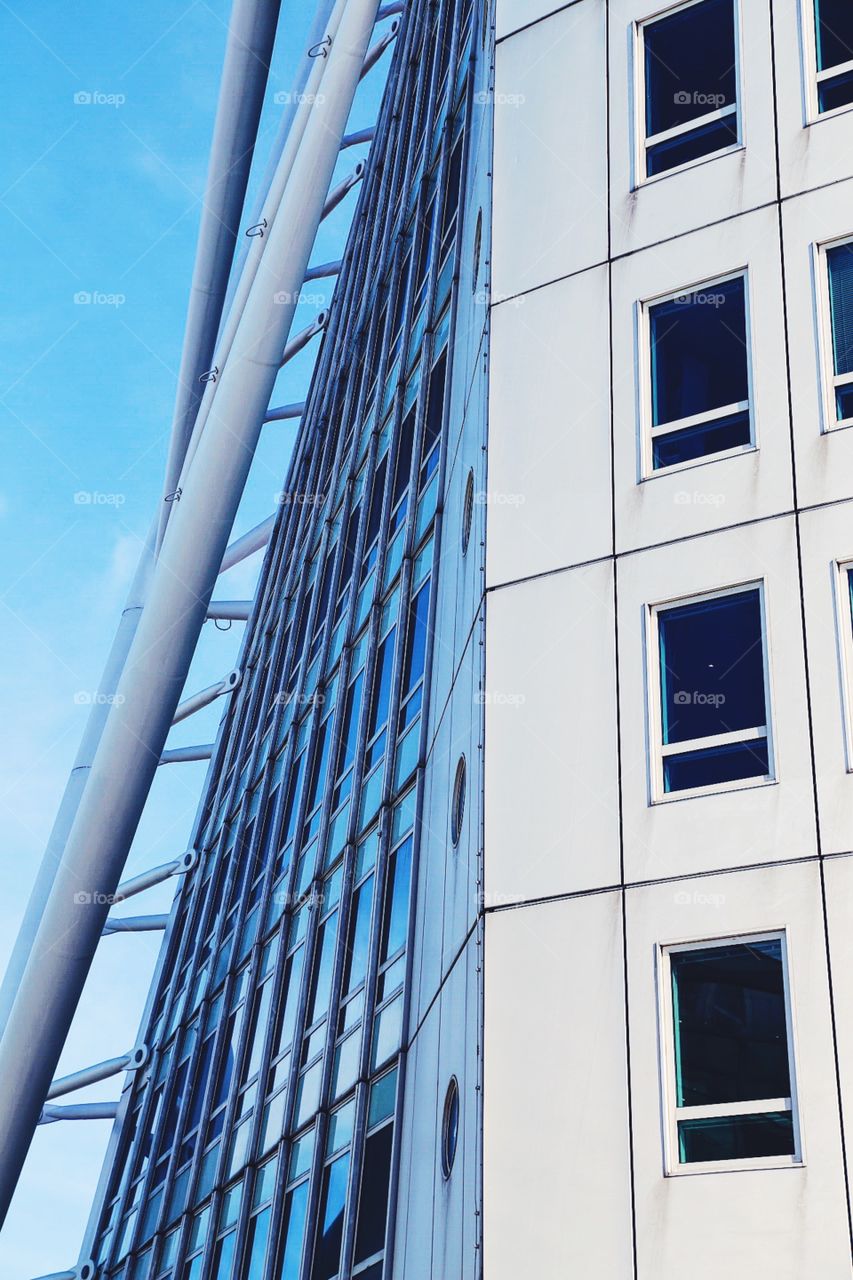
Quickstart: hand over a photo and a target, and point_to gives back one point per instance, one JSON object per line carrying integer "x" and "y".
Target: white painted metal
{"x": 300, "y": 340}
{"x": 148, "y": 879}
{"x": 284, "y": 412}
{"x": 186, "y": 755}
{"x": 245, "y": 546}
{"x": 376, "y": 52}
{"x": 322, "y": 270}
{"x": 131, "y": 1061}
{"x": 358, "y": 137}
{"x": 230, "y": 610}
{"x": 343, "y": 188}
{"x": 204, "y": 697}
{"x": 79, "y": 1111}
{"x": 189, "y": 561}
{"x": 251, "y": 35}
{"x": 134, "y": 924}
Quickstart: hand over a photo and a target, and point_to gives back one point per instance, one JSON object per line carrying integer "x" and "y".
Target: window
{"x": 835, "y": 270}
{"x": 833, "y": 33}
{"x": 457, "y": 805}
{"x": 450, "y": 1127}
{"x": 728, "y": 1054}
{"x": 844, "y": 609}
{"x": 714, "y": 706}
{"x": 688, "y": 105}
{"x": 698, "y": 374}
{"x": 467, "y": 512}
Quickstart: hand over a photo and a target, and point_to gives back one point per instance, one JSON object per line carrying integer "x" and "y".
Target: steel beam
{"x": 379, "y": 48}
{"x": 204, "y": 697}
{"x": 190, "y": 559}
{"x": 134, "y": 924}
{"x": 186, "y": 755}
{"x": 245, "y": 546}
{"x": 284, "y": 412}
{"x": 343, "y": 188}
{"x": 78, "y": 1111}
{"x": 148, "y": 879}
{"x": 248, "y": 51}
{"x": 300, "y": 340}
{"x": 323, "y": 270}
{"x": 357, "y": 138}
{"x": 99, "y": 1071}
{"x": 230, "y": 610}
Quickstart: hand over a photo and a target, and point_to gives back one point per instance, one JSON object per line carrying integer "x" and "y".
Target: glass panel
{"x": 696, "y": 442}
{"x": 256, "y": 1245}
{"x": 702, "y": 141}
{"x": 730, "y": 1024}
{"x": 382, "y": 1099}
{"x": 839, "y": 262}
{"x": 834, "y": 20}
{"x": 690, "y": 64}
{"x": 712, "y": 667}
{"x": 736, "y": 1137}
{"x": 716, "y": 765}
{"x": 332, "y": 1204}
{"x": 223, "y": 1258}
{"x": 294, "y": 1228}
{"x": 396, "y": 916}
{"x": 698, "y": 351}
{"x": 373, "y": 1202}
{"x": 837, "y": 92}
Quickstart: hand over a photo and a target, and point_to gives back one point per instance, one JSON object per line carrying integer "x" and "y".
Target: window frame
{"x": 843, "y": 604}
{"x": 829, "y": 380}
{"x": 658, "y": 751}
{"x": 814, "y": 77}
{"x": 650, "y": 433}
{"x": 642, "y": 140}
{"x": 671, "y": 1114}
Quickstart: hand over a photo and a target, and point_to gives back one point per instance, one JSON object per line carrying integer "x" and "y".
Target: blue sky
{"x": 101, "y": 197}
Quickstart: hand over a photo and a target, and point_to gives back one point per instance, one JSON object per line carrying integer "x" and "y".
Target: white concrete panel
{"x": 827, "y": 538}
{"x": 824, "y": 458}
{"x": 713, "y": 492}
{"x": 646, "y": 212}
{"x": 838, "y": 874}
{"x": 550, "y": 193}
{"x": 513, "y": 14}
{"x": 786, "y": 1222}
{"x": 761, "y": 823}
{"x": 549, "y": 429}
{"x": 556, "y": 1171}
{"x": 551, "y": 764}
{"x": 813, "y": 149}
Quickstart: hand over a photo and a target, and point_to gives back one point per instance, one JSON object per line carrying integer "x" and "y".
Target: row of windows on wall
{"x": 291, "y": 996}
{"x": 689, "y": 99}
{"x": 710, "y": 689}
{"x": 700, "y": 400}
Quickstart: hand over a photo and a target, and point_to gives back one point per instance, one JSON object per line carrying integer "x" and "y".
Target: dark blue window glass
{"x": 690, "y": 72}
{"x": 839, "y": 264}
{"x": 702, "y": 141}
{"x": 712, "y": 682}
{"x": 731, "y": 1045}
{"x": 373, "y": 1202}
{"x": 699, "y": 362}
{"x": 332, "y": 1204}
{"x": 834, "y": 22}
{"x": 257, "y": 1245}
{"x": 395, "y": 923}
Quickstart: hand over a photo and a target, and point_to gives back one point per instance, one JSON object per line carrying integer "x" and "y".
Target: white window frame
{"x": 756, "y": 1106}
{"x": 650, "y": 433}
{"x": 844, "y": 631}
{"x": 659, "y": 751}
{"x": 829, "y": 381}
{"x": 808, "y": 23}
{"x": 644, "y": 142}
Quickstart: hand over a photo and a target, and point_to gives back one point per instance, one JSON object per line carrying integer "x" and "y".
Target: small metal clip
{"x": 321, "y": 50}
{"x": 173, "y": 497}
{"x": 211, "y": 375}
{"x": 257, "y": 229}
{"x": 227, "y": 627}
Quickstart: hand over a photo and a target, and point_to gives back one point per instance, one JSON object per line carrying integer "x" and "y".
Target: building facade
{"x": 518, "y": 941}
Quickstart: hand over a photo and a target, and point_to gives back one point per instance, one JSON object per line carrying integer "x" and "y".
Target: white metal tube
{"x": 379, "y": 48}
{"x": 343, "y": 188}
{"x": 134, "y": 924}
{"x": 204, "y": 697}
{"x": 360, "y": 136}
{"x": 311, "y": 100}
{"x": 79, "y": 1111}
{"x": 284, "y": 412}
{"x": 77, "y": 779}
{"x": 189, "y": 561}
{"x": 251, "y": 36}
{"x": 148, "y": 879}
{"x": 186, "y": 755}
{"x": 241, "y": 548}
{"x": 98, "y": 1071}
{"x": 322, "y": 270}
{"x": 230, "y": 610}
{"x": 300, "y": 340}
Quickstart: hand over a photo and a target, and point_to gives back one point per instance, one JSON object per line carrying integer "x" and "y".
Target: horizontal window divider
{"x": 714, "y": 740}
{"x": 829, "y": 73}
{"x": 697, "y": 419}
{"x": 842, "y": 379}
{"x": 678, "y": 130}
{"x": 722, "y": 1110}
